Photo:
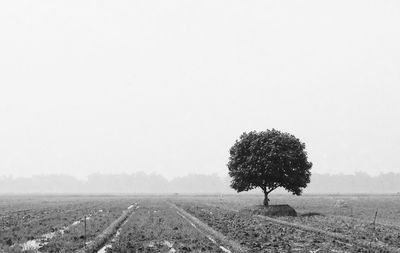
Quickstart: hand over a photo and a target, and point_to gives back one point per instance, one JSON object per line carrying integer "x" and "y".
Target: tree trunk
{"x": 266, "y": 199}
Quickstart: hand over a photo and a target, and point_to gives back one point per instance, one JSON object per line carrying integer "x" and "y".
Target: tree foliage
{"x": 268, "y": 160}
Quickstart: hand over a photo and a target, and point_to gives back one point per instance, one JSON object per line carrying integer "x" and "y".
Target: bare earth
{"x": 198, "y": 224}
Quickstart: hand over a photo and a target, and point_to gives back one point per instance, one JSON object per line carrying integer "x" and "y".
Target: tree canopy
{"x": 268, "y": 160}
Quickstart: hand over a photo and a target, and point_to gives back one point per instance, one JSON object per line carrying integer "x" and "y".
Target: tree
{"x": 268, "y": 160}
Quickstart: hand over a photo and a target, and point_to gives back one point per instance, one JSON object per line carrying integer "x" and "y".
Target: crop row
{"x": 62, "y": 230}
{"x": 353, "y": 229}
{"x": 156, "y": 227}
{"x": 263, "y": 236}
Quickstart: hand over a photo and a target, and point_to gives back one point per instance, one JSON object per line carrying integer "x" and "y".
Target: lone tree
{"x": 269, "y": 159}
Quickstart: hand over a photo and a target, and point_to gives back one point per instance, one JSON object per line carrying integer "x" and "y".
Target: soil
{"x": 272, "y": 210}
{"x": 57, "y": 226}
{"x": 353, "y": 229}
{"x": 157, "y": 227}
{"x": 262, "y": 236}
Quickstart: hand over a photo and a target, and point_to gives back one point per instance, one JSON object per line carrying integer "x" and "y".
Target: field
{"x": 342, "y": 223}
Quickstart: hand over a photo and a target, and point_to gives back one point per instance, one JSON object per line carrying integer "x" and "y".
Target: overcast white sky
{"x": 117, "y": 86}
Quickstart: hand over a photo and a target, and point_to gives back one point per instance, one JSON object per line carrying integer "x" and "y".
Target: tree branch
{"x": 264, "y": 188}
{"x": 271, "y": 189}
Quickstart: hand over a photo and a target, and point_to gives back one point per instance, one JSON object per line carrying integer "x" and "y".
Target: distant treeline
{"x": 155, "y": 184}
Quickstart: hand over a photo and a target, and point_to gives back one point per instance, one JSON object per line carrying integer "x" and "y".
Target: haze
{"x": 168, "y": 86}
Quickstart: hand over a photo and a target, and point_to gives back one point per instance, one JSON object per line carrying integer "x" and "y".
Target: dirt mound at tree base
{"x": 310, "y": 214}
{"x": 272, "y": 210}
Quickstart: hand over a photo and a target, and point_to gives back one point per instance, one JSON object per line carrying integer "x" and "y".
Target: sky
{"x": 166, "y": 87}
